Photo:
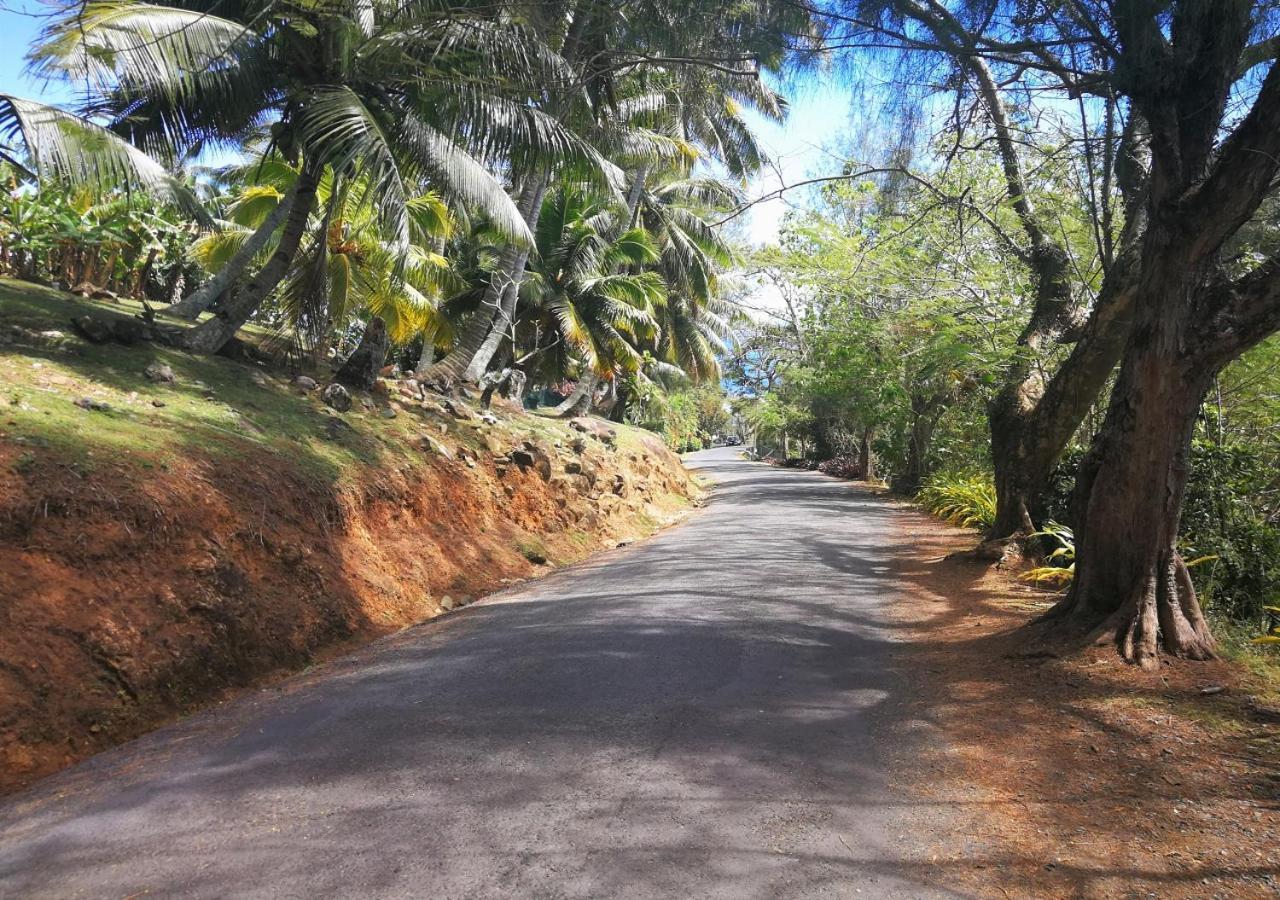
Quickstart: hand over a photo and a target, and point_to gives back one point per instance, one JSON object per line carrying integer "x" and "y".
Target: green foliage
{"x": 1272, "y": 634}
{"x": 965, "y": 500}
{"x": 112, "y": 240}
{"x": 687, "y": 418}
{"x": 1061, "y": 559}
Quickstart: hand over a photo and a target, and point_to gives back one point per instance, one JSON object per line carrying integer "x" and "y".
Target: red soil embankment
{"x": 129, "y": 596}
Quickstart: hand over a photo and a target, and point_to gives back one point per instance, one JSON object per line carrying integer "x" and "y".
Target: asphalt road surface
{"x": 705, "y": 714}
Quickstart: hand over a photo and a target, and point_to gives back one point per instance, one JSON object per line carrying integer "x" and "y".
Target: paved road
{"x": 703, "y": 715}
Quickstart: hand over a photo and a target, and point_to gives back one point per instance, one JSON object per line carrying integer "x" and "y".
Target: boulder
{"x": 90, "y": 403}
{"x": 456, "y": 408}
{"x": 337, "y": 397}
{"x": 93, "y": 329}
{"x": 85, "y": 289}
{"x": 596, "y": 429}
{"x": 387, "y": 412}
{"x": 305, "y": 383}
{"x": 335, "y": 427}
{"x": 160, "y": 373}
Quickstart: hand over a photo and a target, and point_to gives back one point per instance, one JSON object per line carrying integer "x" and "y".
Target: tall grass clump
{"x": 965, "y": 500}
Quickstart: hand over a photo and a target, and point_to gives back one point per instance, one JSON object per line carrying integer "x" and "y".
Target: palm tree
{"x": 608, "y": 51}
{"x": 584, "y": 289}
{"x": 404, "y": 95}
{"x": 48, "y": 144}
{"x": 693, "y": 322}
{"x": 346, "y": 268}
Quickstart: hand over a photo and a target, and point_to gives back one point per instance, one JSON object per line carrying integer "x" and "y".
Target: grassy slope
{"x": 216, "y": 405}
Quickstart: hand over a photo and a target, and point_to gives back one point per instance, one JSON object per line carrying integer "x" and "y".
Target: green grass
{"x": 216, "y": 409}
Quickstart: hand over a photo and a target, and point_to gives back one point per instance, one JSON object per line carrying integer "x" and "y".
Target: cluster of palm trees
{"x": 511, "y": 184}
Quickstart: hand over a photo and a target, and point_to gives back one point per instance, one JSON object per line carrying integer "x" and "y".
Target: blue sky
{"x": 19, "y": 24}
{"x": 802, "y": 147}
{"x": 819, "y": 115}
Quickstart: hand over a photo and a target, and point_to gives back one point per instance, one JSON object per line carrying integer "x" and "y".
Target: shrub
{"x": 965, "y": 500}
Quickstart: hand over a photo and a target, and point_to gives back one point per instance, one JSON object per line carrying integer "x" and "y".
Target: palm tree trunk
{"x": 635, "y": 193}
{"x": 427, "y": 357}
{"x": 579, "y": 402}
{"x": 140, "y": 286}
{"x": 213, "y": 334}
{"x": 198, "y": 301}
{"x": 362, "y": 367}
{"x": 483, "y": 335}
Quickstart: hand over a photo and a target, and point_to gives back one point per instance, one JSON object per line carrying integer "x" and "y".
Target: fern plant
{"x": 965, "y": 500}
{"x": 1061, "y": 567}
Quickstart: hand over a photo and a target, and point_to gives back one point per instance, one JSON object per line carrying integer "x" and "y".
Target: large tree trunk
{"x": 1130, "y": 580}
{"x": 211, "y": 335}
{"x": 1032, "y": 419}
{"x": 484, "y": 332}
{"x": 866, "y": 459}
{"x": 362, "y": 367}
{"x": 925, "y": 414}
{"x": 190, "y": 306}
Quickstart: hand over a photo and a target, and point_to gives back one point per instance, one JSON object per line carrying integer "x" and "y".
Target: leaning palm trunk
{"x": 579, "y": 402}
{"x": 634, "y": 195}
{"x": 198, "y": 301}
{"x": 213, "y": 334}
{"x": 484, "y": 333}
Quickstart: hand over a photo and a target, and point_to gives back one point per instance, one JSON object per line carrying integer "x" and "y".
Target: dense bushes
{"x": 841, "y": 467}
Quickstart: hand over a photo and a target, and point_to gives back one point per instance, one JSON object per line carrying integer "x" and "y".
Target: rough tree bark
{"x": 1189, "y": 321}
{"x": 866, "y": 459}
{"x": 212, "y": 334}
{"x": 926, "y": 411}
{"x": 190, "y": 306}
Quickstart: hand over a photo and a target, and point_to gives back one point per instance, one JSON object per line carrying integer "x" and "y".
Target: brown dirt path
{"x": 1078, "y": 776}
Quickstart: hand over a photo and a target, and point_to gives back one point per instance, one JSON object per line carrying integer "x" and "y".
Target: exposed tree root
{"x": 1162, "y": 614}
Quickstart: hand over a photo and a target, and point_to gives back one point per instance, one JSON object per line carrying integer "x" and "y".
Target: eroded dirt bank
{"x": 136, "y": 592}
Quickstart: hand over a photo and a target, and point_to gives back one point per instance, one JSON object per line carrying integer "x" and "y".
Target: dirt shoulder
{"x": 1079, "y": 776}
